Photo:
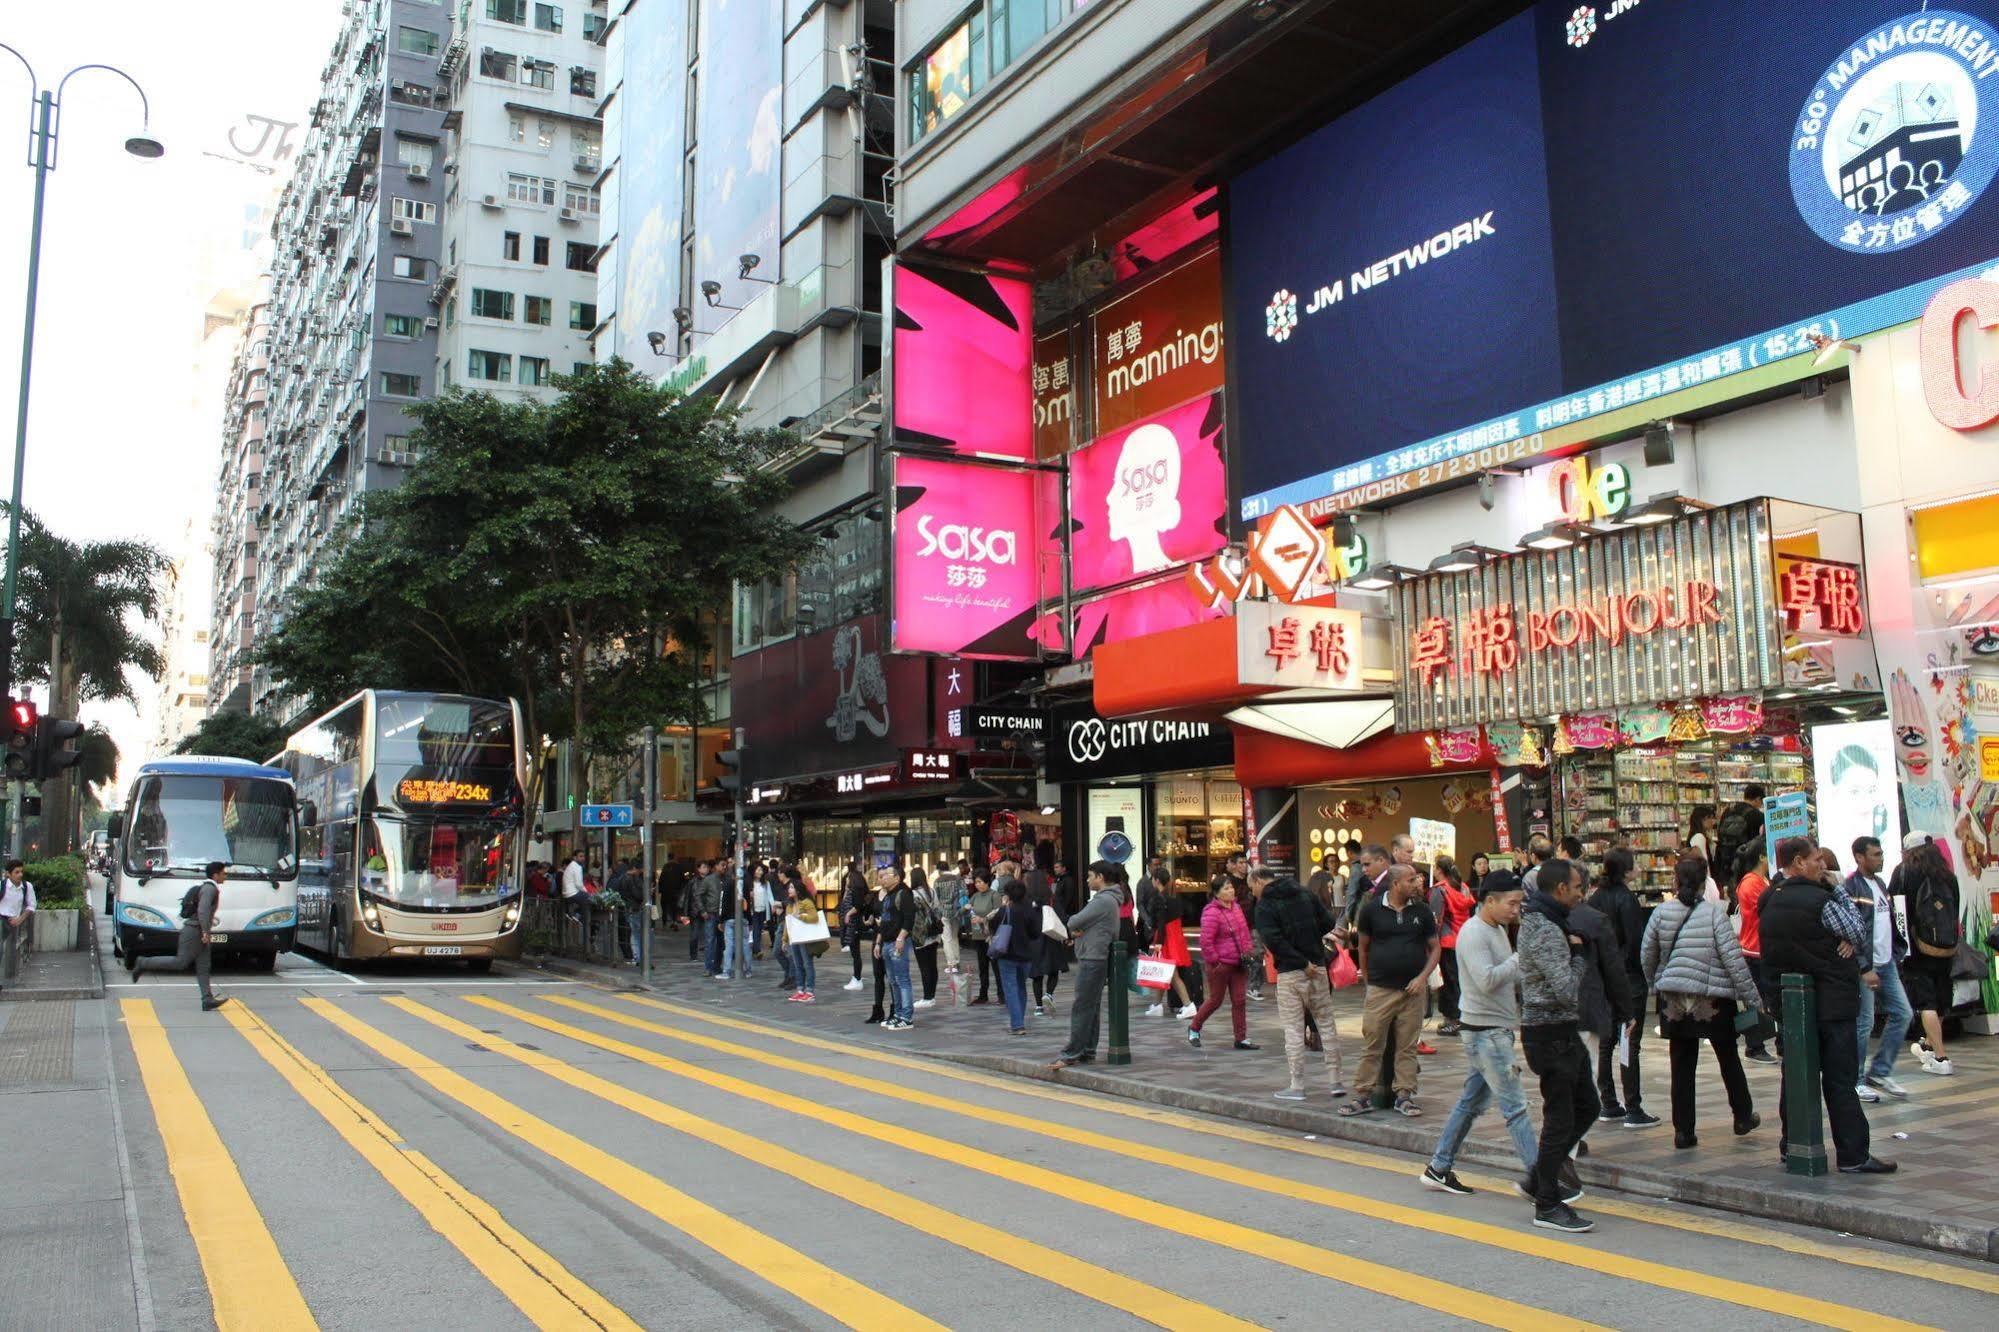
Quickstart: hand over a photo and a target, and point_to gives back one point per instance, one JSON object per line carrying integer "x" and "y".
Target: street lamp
{"x": 43, "y": 106}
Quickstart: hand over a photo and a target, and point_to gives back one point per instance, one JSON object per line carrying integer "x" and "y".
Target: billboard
{"x": 1536, "y": 245}
{"x": 1148, "y": 497}
{"x": 740, "y": 139}
{"x": 971, "y": 546}
{"x": 1853, "y": 766}
{"x": 650, "y": 115}
{"x": 1157, "y": 345}
{"x": 963, "y": 362}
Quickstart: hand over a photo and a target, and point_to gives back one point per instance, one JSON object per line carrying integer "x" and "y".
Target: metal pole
{"x": 649, "y": 795}
{"x": 1120, "y": 1043}
{"x": 1804, "y": 1129}
{"x": 40, "y": 141}
{"x": 736, "y": 897}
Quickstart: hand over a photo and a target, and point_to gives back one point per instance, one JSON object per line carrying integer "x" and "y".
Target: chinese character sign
{"x": 1298, "y": 647}
{"x": 1820, "y": 596}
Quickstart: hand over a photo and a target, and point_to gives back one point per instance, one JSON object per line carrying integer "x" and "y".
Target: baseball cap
{"x": 1910, "y": 841}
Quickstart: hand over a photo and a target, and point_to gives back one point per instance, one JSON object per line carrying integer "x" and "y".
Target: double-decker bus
{"x": 410, "y": 828}
{"x": 180, "y": 815}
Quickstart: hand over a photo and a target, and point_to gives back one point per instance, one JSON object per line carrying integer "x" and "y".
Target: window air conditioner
{"x": 430, "y": 321}
{"x": 418, "y": 171}
{"x": 491, "y": 201}
{"x": 402, "y": 226}
{"x": 567, "y": 215}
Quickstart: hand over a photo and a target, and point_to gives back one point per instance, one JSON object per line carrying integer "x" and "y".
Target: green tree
{"x": 79, "y": 629}
{"x": 234, "y": 735}
{"x": 565, "y": 553}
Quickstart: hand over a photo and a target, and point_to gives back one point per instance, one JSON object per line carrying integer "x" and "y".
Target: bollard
{"x": 1120, "y": 988}
{"x": 1804, "y": 1127}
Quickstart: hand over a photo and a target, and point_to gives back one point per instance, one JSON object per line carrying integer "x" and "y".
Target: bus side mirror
{"x": 308, "y": 813}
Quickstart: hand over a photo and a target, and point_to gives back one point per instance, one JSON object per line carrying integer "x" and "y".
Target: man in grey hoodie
{"x": 1551, "y": 972}
{"x": 1091, "y": 932}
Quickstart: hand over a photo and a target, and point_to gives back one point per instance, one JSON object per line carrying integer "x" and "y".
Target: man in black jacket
{"x": 1810, "y": 930}
{"x": 1293, "y": 925}
{"x": 1740, "y": 825}
{"x": 1615, "y": 900}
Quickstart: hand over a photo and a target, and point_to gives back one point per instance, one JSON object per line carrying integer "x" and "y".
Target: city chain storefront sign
{"x": 1682, "y": 610}
{"x": 1083, "y": 745}
{"x": 988, "y": 721}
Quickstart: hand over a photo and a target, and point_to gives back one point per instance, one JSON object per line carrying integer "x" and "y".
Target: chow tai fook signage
{"x": 1686, "y": 609}
{"x": 924, "y": 766}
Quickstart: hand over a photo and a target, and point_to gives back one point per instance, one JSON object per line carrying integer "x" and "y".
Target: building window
{"x": 517, "y": 129}
{"x": 489, "y": 304}
{"x": 396, "y": 385}
{"x": 396, "y": 443}
{"x": 496, "y": 367}
{"x": 548, "y": 18}
{"x": 401, "y": 326}
{"x": 507, "y": 11}
{"x": 409, "y": 266}
{"x": 529, "y": 189}
{"x": 580, "y": 258}
{"x": 582, "y": 315}
{"x": 593, "y": 26}
{"x": 582, "y": 82}
{"x": 510, "y": 245}
{"x": 416, "y": 41}
{"x": 496, "y": 64}
{"x": 544, "y": 134}
{"x": 412, "y": 210}
{"x": 450, "y": 315}
{"x": 536, "y": 310}
{"x": 415, "y": 153}
{"x": 534, "y": 370}
{"x": 581, "y": 198}
{"x": 538, "y": 74}
{"x": 411, "y": 94}
{"x": 584, "y": 143}
{"x": 541, "y": 249}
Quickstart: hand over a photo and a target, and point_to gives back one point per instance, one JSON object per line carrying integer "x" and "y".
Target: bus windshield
{"x": 435, "y": 754}
{"x": 181, "y": 823}
{"x": 429, "y": 863}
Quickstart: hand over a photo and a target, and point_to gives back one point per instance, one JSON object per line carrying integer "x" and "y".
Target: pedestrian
{"x": 1481, "y": 865}
{"x": 1014, "y": 940}
{"x": 952, "y": 892}
{"x": 1235, "y": 872}
{"x": 1880, "y": 973}
{"x": 1489, "y": 973}
{"x": 538, "y": 884}
{"x": 1370, "y": 877}
{"x": 738, "y": 929}
{"x": 1604, "y": 1001}
{"x": 17, "y": 913}
{"x": 1930, "y": 892}
{"x": 1293, "y": 925}
{"x": 1619, "y": 905}
{"x": 784, "y": 891}
{"x": 1811, "y": 930}
{"x": 197, "y": 928}
{"x": 894, "y": 943}
{"x": 1162, "y": 930}
{"x": 984, "y": 902}
{"x": 629, "y": 887}
{"x": 715, "y": 894}
{"x": 1399, "y": 948}
{"x": 1700, "y": 832}
{"x": 760, "y": 906}
{"x": 800, "y": 909}
{"x": 1457, "y": 906}
{"x": 1551, "y": 971}
{"x": 575, "y": 882}
{"x": 1065, "y": 888}
{"x": 926, "y": 934}
{"x": 1091, "y": 930}
{"x": 1750, "y": 880}
{"x": 1694, "y": 962}
{"x": 857, "y": 913}
{"x": 1225, "y": 948}
{"x": 1053, "y": 959}
{"x": 699, "y": 912}
{"x": 1740, "y": 825}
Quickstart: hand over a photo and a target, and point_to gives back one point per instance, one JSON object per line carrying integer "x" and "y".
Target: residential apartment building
{"x": 183, "y": 690}
{"x": 237, "y": 530}
{"x": 523, "y": 149}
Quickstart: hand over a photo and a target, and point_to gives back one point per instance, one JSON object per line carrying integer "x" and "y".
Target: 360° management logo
{"x": 1280, "y": 317}
{"x": 1900, "y": 135}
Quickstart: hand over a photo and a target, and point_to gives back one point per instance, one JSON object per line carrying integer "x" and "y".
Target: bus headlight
{"x": 139, "y": 915}
{"x": 372, "y": 918}
{"x": 274, "y": 920}
{"x": 513, "y": 917}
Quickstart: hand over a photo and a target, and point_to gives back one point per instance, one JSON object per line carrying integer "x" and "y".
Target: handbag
{"x": 797, "y": 931}
{"x": 1155, "y": 973}
{"x": 1002, "y": 940}
{"x": 1342, "y": 972}
{"x": 1436, "y": 981}
{"x": 1755, "y": 1024}
{"x": 1052, "y": 923}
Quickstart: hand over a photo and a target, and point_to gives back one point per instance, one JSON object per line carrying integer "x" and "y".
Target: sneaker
{"x": 1572, "y": 1184}
{"x": 1889, "y": 1085}
{"x": 1290, "y": 1094}
{"x": 1638, "y": 1119}
{"x": 1425, "y": 1048}
{"x": 853, "y": 984}
{"x": 1564, "y": 1218}
{"x": 210, "y": 1005}
{"x": 1193, "y": 1038}
{"x": 1247, "y": 1045}
{"x": 1338, "y": 1091}
{"x": 1256, "y": 994}
{"x": 1157, "y": 1010}
{"x": 1867, "y": 1094}
{"x": 1760, "y": 1057}
{"x": 982, "y": 999}
{"x": 794, "y": 996}
{"x": 924, "y": 1003}
{"x": 808, "y": 998}
{"x": 1612, "y": 1110}
{"x": 1444, "y": 1181}
{"x": 1873, "y": 1165}
{"x": 1188, "y": 1011}
{"x": 1941, "y": 1067}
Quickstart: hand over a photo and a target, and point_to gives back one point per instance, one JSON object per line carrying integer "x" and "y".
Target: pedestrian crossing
{"x": 468, "y": 1111}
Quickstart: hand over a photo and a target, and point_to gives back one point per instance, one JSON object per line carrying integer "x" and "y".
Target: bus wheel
{"x": 479, "y": 965}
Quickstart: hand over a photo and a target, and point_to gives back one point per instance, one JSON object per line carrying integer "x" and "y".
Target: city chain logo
{"x": 1898, "y": 137}
{"x": 1280, "y": 317}
{"x": 1087, "y": 743}
{"x": 1090, "y": 739}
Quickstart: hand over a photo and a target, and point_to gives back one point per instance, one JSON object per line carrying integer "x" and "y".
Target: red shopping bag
{"x": 1342, "y": 972}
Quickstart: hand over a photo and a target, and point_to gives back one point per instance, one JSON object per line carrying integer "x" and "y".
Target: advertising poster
{"x": 1433, "y": 838}
{"x": 650, "y": 114}
{"x": 1785, "y": 815}
{"x": 740, "y": 143}
{"x": 971, "y": 550}
{"x": 1149, "y": 497}
{"x": 963, "y": 362}
{"x": 1853, "y": 767}
{"x": 1158, "y": 345}
{"x": 1114, "y": 809}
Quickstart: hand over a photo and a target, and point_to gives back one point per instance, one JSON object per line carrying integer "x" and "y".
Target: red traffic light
{"x": 24, "y": 715}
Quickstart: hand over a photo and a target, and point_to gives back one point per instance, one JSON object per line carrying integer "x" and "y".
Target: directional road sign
{"x": 606, "y": 816}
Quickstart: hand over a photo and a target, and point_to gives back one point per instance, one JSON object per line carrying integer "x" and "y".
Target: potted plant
{"x": 59, "y": 904}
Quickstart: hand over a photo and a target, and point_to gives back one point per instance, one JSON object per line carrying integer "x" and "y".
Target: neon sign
{"x": 1585, "y": 494}
{"x": 439, "y": 791}
{"x": 1950, "y": 401}
{"x": 1494, "y": 637}
{"x": 1286, "y": 557}
{"x": 1827, "y": 592}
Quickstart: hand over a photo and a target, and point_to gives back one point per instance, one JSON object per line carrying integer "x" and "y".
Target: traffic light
{"x": 731, "y": 763}
{"x": 50, "y": 753}
{"x": 19, "y": 723}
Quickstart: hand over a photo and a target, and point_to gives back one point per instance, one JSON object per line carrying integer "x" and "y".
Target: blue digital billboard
{"x": 651, "y": 112}
{"x": 1592, "y": 206}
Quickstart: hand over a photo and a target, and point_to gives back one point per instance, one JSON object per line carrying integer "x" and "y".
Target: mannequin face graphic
{"x": 1144, "y": 499}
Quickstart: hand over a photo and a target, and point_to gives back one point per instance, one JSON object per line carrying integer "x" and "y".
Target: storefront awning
{"x": 1338, "y": 724}
{"x": 1263, "y": 760}
{"x": 1265, "y": 651}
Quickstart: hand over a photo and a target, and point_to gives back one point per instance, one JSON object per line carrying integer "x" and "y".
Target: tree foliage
{"x": 564, "y": 553}
{"x": 234, "y": 735}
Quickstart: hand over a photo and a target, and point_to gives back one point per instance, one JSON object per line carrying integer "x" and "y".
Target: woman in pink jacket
{"x": 1225, "y": 944}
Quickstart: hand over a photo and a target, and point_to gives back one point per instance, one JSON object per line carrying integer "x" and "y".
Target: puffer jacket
{"x": 1705, "y": 959}
{"x": 1224, "y": 936}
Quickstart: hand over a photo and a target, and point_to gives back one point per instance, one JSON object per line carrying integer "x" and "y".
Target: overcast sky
{"x": 113, "y": 446}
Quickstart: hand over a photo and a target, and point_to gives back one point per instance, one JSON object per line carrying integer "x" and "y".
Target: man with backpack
{"x": 1741, "y": 824}
{"x": 197, "y": 925}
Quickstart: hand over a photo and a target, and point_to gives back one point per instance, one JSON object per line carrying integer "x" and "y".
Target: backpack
{"x": 1932, "y": 921}
{"x": 190, "y": 902}
{"x": 923, "y": 926}
{"x": 1737, "y": 826}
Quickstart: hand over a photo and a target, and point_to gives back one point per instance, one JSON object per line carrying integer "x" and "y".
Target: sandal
{"x": 1406, "y": 1105}
{"x": 1355, "y": 1108}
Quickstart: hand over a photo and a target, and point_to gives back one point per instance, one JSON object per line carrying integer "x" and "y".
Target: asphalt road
{"x": 428, "y": 1149}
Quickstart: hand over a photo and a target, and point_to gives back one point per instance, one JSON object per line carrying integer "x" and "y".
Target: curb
{"x": 1850, "y": 1216}
{"x": 95, "y": 990}
{"x": 585, "y": 971}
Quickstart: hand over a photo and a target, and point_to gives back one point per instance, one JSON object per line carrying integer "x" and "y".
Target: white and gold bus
{"x": 410, "y": 839}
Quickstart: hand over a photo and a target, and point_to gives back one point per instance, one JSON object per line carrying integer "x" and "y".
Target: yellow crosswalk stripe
{"x": 831, "y": 1293}
{"x": 543, "y": 1289}
{"x": 1140, "y": 1299}
{"x": 249, "y": 1285}
{"x": 1518, "y": 1241}
{"x": 1629, "y": 1209}
{"x": 1361, "y": 1273}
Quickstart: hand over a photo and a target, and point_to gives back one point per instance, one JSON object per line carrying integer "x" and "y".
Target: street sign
{"x": 605, "y": 816}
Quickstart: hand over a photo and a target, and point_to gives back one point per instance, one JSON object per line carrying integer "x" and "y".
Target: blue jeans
{"x": 1491, "y": 1073}
{"x": 1013, "y": 985}
{"x": 902, "y": 999}
{"x": 736, "y": 946}
{"x": 711, "y": 944}
{"x": 804, "y": 967}
{"x": 1894, "y": 1000}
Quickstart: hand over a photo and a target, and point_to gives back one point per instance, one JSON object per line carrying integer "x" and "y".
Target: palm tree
{"x": 78, "y": 627}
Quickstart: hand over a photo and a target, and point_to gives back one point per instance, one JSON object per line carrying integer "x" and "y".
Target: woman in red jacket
{"x": 1225, "y": 944}
{"x": 1458, "y": 905}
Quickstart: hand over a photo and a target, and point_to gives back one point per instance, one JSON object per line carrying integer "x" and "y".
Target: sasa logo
{"x": 1280, "y": 317}
{"x": 956, "y": 541}
{"x": 1137, "y": 480}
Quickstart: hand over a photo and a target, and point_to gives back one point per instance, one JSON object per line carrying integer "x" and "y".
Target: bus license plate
{"x": 218, "y": 938}
{"x": 443, "y": 950}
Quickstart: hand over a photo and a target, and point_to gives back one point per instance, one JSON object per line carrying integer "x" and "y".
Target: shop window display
{"x": 1197, "y": 826}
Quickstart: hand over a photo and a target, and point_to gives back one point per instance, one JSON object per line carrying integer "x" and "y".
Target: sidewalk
{"x": 1938, "y": 1200}
{"x": 68, "y": 975}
